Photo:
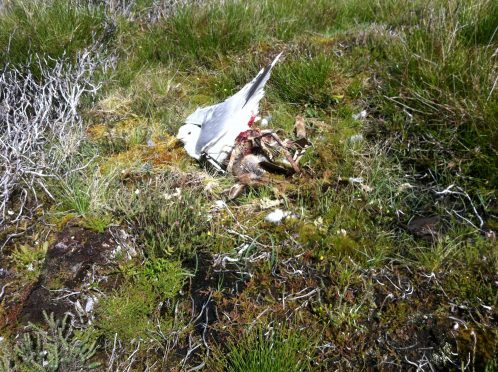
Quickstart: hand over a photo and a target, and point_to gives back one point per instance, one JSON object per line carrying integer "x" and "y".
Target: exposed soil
{"x": 76, "y": 261}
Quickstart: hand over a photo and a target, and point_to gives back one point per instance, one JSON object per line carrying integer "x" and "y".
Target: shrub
{"x": 40, "y": 120}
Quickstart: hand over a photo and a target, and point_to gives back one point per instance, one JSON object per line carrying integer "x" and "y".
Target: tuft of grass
{"x": 306, "y": 80}
{"x": 265, "y": 351}
{"x": 83, "y": 192}
{"x": 168, "y": 220}
{"x": 53, "y": 28}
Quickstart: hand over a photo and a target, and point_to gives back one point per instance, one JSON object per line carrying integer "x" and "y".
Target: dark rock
{"x": 78, "y": 258}
{"x": 424, "y": 227}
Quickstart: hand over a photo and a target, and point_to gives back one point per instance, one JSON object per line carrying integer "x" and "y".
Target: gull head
{"x": 188, "y": 134}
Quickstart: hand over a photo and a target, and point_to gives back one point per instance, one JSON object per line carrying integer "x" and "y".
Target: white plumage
{"x": 211, "y": 131}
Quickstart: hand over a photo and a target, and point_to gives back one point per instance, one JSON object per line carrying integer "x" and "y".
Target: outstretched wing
{"x": 256, "y": 88}
{"x": 218, "y": 119}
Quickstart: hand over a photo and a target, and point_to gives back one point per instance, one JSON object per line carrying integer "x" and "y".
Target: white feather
{"x": 220, "y": 124}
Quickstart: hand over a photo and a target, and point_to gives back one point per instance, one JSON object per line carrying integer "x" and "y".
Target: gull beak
{"x": 178, "y": 137}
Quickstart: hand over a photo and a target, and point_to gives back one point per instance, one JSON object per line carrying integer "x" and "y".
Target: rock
{"x": 77, "y": 260}
{"x": 424, "y": 227}
{"x": 356, "y": 180}
{"x": 90, "y": 302}
{"x": 356, "y": 138}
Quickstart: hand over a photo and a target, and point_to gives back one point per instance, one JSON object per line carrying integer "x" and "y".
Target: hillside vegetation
{"x": 120, "y": 252}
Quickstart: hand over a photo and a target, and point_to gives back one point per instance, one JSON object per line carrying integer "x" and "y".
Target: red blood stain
{"x": 251, "y": 120}
{"x": 243, "y": 136}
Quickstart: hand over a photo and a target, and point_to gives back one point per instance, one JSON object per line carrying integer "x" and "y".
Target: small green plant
{"x": 130, "y": 311}
{"x": 57, "y": 348}
{"x": 97, "y": 223}
{"x": 166, "y": 277}
{"x": 262, "y": 350}
{"x": 29, "y": 259}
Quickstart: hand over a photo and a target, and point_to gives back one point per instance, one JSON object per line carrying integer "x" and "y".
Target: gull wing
{"x": 215, "y": 127}
{"x": 199, "y": 116}
{"x": 253, "y": 92}
{"x": 217, "y": 119}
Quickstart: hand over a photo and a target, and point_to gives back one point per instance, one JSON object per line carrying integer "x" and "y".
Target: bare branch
{"x": 40, "y": 125}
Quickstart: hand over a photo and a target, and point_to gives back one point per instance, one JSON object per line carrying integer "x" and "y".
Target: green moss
{"x": 485, "y": 354}
{"x": 396, "y": 315}
{"x": 127, "y": 312}
{"x": 97, "y": 223}
{"x": 130, "y": 311}
{"x": 310, "y": 235}
{"x": 55, "y": 283}
{"x": 165, "y": 277}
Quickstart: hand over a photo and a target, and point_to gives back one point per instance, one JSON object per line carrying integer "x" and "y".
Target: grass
{"x": 307, "y": 81}
{"x": 433, "y": 72}
{"x": 84, "y": 196}
{"x": 424, "y": 72}
{"x": 169, "y": 220}
{"x": 54, "y": 28}
{"x": 265, "y": 350}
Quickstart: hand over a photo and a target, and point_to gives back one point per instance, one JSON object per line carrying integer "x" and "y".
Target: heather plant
{"x": 54, "y": 348}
